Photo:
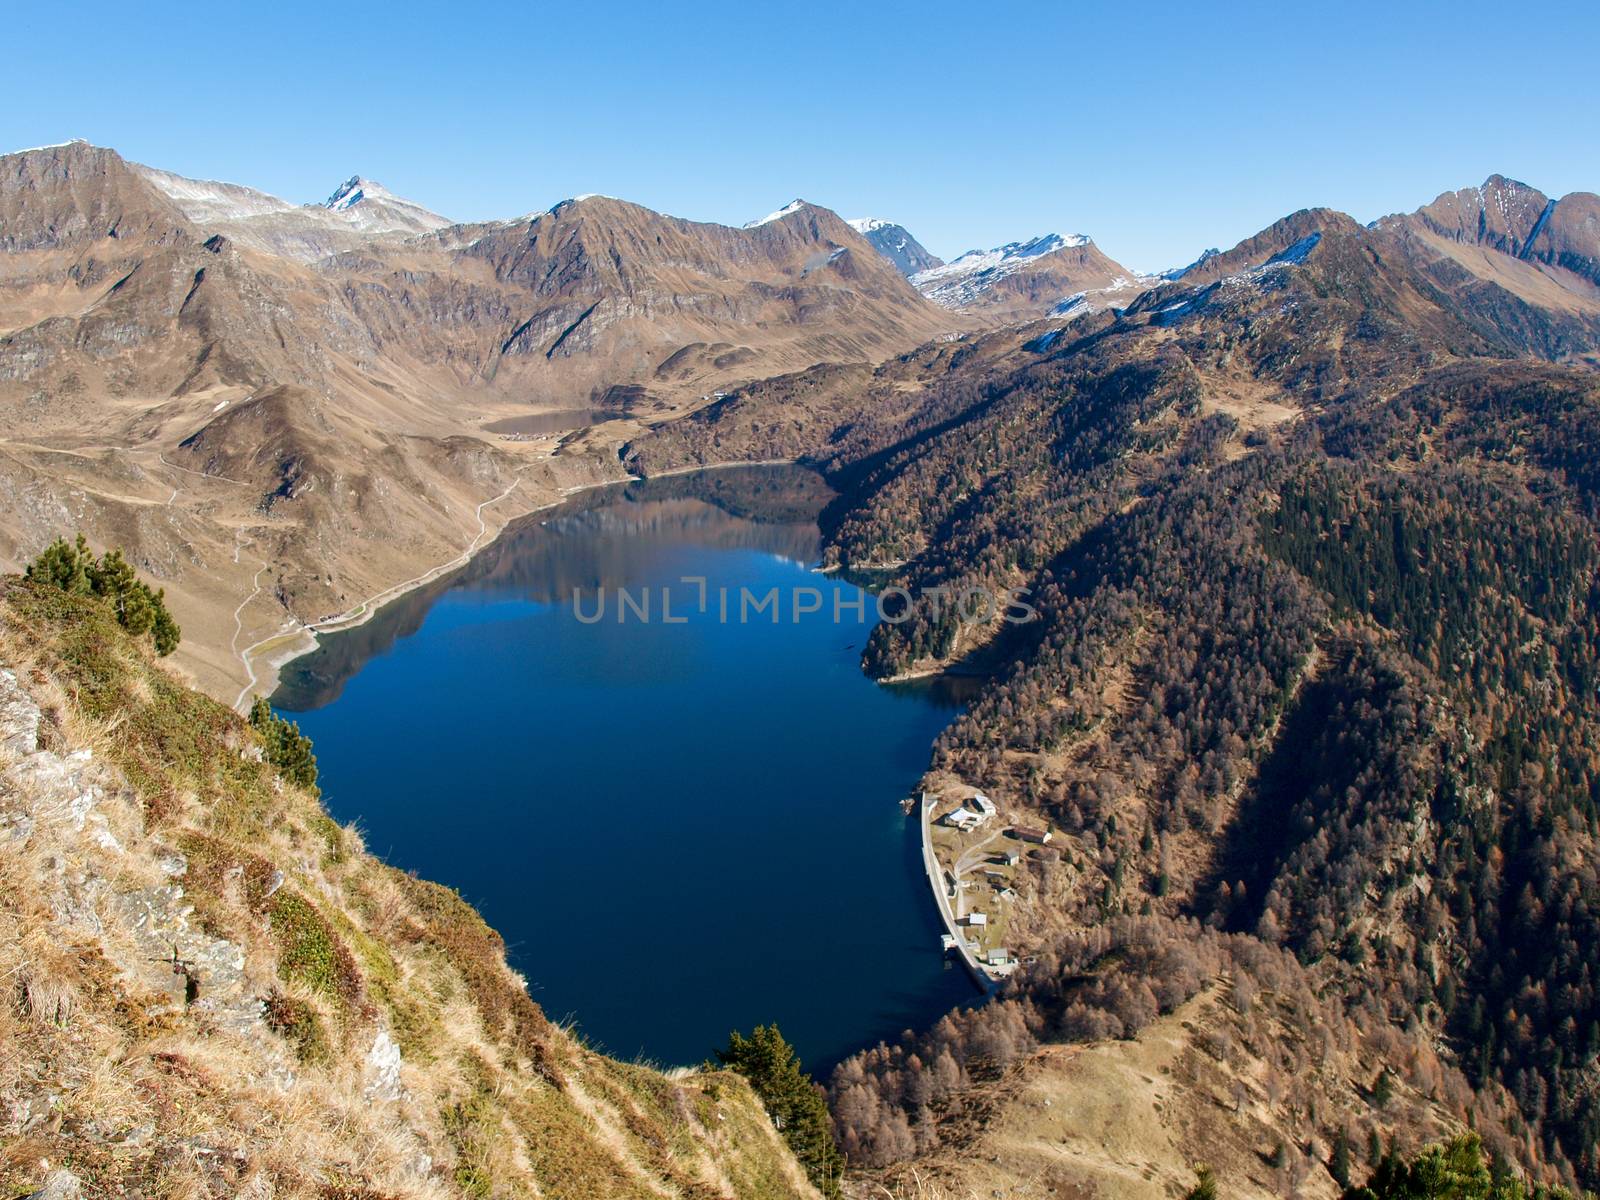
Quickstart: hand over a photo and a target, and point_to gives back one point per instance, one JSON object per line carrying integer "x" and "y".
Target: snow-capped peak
{"x": 1002, "y": 259}
{"x": 982, "y": 260}
{"x": 959, "y": 283}
{"x": 352, "y": 192}
{"x": 868, "y": 224}
{"x": 789, "y": 209}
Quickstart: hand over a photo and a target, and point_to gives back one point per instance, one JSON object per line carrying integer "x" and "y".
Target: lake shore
{"x": 264, "y": 660}
{"x": 502, "y": 661}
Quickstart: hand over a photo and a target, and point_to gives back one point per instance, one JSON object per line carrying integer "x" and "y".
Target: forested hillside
{"x": 1313, "y": 695}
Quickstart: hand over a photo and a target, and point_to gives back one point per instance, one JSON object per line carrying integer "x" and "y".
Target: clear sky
{"x": 1158, "y": 129}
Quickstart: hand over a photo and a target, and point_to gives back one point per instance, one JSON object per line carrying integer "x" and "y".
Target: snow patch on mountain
{"x": 895, "y": 243}
{"x": 958, "y": 283}
{"x": 789, "y": 209}
{"x": 1297, "y": 252}
{"x": 1271, "y": 275}
{"x": 51, "y": 146}
{"x": 206, "y": 201}
{"x": 891, "y": 236}
{"x": 352, "y": 191}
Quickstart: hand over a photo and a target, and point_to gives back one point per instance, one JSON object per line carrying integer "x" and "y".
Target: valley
{"x": 606, "y": 799}
{"x": 1299, "y": 762}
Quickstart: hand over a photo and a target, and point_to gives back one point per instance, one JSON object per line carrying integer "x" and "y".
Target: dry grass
{"x": 1128, "y": 1120}
{"x": 113, "y": 1065}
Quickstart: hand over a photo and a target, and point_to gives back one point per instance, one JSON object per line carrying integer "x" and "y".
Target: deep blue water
{"x": 680, "y": 829}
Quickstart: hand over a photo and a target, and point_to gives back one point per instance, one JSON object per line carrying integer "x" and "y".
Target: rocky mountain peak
{"x": 353, "y": 191}
{"x": 895, "y": 243}
{"x": 1025, "y": 278}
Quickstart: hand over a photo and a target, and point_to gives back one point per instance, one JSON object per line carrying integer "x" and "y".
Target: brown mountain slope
{"x": 289, "y": 438}
{"x": 1569, "y": 239}
{"x": 1560, "y": 239}
{"x": 1502, "y": 214}
{"x": 1277, "y": 238}
{"x": 76, "y": 195}
{"x": 615, "y": 290}
{"x": 1314, "y": 548}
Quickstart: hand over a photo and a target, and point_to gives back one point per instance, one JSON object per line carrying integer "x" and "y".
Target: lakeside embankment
{"x": 935, "y": 873}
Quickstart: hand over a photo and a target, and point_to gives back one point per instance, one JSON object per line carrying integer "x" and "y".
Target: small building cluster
{"x": 975, "y": 812}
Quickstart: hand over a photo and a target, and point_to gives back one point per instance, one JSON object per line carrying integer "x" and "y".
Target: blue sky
{"x": 1159, "y": 129}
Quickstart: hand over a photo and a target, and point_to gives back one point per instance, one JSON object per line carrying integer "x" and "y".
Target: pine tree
{"x": 792, "y": 1100}
{"x": 72, "y": 567}
{"x": 1339, "y": 1164}
{"x": 1383, "y": 1089}
{"x": 285, "y": 747}
{"x": 65, "y": 565}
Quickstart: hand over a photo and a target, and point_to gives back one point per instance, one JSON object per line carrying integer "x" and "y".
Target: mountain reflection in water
{"x": 679, "y": 829}
{"x": 605, "y": 537}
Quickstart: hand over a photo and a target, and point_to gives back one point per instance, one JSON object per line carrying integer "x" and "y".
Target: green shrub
{"x": 1456, "y": 1170}
{"x": 300, "y": 1024}
{"x": 309, "y": 951}
{"x": 72, "y": 567}
{"x": 285, "y": 746}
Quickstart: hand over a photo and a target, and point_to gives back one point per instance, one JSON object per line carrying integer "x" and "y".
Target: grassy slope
{"x": 264, "y": 1080}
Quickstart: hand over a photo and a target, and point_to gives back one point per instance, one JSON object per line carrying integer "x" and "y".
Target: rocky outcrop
{"x": 66, "y": 805}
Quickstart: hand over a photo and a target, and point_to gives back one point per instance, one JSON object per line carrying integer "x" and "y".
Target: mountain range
{"x": 1311, "y": 714}
{"x": 245, "y": 389}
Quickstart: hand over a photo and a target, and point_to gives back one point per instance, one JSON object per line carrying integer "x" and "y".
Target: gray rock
{"x": 383, "y": 1069}
{"x": 186, "y": 963}
{"x": 19, "y": 717}
{"x": 60, "y": 1184}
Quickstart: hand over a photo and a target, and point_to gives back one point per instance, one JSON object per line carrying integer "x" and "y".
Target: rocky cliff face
{"x": 1559, "y": 237}
{"x": 214, "y": 991}
{"x": 896, "y": 244}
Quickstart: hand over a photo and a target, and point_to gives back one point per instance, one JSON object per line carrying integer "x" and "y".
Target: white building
{"x": 964, "y": 819}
